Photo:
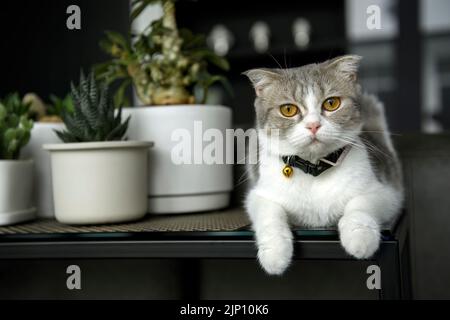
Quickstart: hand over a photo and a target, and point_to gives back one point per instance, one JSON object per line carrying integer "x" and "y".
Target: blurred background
{"x": 41, "y": 55}
{"x": 406, "y": 63}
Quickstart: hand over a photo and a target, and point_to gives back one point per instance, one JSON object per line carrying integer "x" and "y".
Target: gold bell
{"x": 288, "y": 171}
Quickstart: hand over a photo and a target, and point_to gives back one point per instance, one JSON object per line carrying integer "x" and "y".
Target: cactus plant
{"x": 94, "y": 117}
{"x": 165, "y": 64}
{"x": 15, "y": 126}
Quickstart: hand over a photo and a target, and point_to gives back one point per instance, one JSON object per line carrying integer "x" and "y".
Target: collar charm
{"x": 313, "y": 169}
{"x": 288, "y": 171}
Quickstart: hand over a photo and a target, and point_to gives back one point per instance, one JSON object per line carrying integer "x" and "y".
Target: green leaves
{"x": 115, "y": 44}
{"x": 93, "y": 117}
{"x": 209, "y": 56}
{"x": 208, "y": 80}
{"x": 119, "y": 97}
{"x": 159, "y": 58}
{"x": 15, "y": 126}
{"x": 58, "y": 106}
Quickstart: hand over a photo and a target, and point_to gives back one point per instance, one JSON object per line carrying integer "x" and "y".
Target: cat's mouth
{"x": 314, "y": 140}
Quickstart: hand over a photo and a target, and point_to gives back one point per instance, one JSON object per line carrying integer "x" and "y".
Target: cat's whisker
{"x": 346, "y": 139}
{"x": 376, "y": 131}
{"x": 246, "y": 174}
{"x": 276, "y": 61}
{"x": 370, "y": 176}
{"x": 284, "y": 70}
{"x": 299, "y": 139}
{"x": 376, "y": 149}
{"x": 370, "y": 147}
{"x": 352, "y": 143}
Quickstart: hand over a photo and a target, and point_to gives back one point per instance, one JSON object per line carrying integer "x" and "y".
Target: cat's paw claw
{"x": 359, "y": 241}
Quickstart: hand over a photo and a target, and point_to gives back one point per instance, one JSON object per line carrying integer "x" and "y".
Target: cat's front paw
{"x": 360, "y": 238}
{"x": 276, "y": 257}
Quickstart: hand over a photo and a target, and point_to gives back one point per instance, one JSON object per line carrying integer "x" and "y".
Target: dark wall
{"x": 39, "y": 54}
{"x": 426, "y": 166}
{"x": 326, "y": 18}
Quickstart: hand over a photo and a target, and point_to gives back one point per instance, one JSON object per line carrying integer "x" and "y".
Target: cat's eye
{"x": 331, "y": 104}
{"x": 288, "y": 110}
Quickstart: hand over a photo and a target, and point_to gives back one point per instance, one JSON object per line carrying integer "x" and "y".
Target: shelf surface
{"x": 222, "y": 234}
{"x": 229, "y": 224}
{"x": 218, "y": 234}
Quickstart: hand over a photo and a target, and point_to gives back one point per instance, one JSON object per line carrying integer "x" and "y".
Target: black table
{"x": 392, "y": 257}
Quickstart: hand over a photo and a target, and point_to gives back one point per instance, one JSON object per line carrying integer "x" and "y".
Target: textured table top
{"x": 232, "y": 223}
{"x": 219, "y": 234}
{"x": 224, "y": 220}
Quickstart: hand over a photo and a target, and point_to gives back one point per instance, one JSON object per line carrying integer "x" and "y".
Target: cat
{"x": 319, "y": 111}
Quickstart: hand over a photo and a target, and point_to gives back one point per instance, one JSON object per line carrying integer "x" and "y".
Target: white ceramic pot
{"x": 179, "y": 188}
{"x": 42, "y": 133}
{"x": 16, "y": 186}
{"x": 99, "y": 182}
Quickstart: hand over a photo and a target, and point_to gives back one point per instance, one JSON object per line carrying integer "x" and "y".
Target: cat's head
{"x": 314, "y": 107}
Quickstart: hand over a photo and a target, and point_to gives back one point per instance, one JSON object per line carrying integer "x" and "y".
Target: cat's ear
{"x": 345, "y": 65}
{"x": 262, "y": 78}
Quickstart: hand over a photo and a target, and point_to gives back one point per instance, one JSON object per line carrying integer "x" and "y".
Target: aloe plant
{"x": 15, "y": 126}
{"x": 94, "y": 117}
{"x": 165, "y": 64}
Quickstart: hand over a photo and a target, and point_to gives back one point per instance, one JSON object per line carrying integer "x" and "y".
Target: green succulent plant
{"x": 165, "y": 64}
{"x": 15, "y": 126}
{"x": 59, "y": 105}
{"x": 94, "y": 117}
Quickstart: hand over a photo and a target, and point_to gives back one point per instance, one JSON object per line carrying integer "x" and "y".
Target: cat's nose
{"x": 313, "y": 126}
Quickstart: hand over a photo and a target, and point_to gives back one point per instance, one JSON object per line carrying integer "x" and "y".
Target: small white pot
{"x": 179, "y": 188}
{"x": 42, "y": 133}
{"x": 16, "y": 185}
{"x": 99, "y": 182}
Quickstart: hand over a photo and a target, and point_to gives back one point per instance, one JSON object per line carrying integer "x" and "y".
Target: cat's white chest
{"x": 315, "y": 201}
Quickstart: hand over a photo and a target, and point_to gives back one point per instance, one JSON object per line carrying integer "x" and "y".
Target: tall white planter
{"x": 41, "y": 134}
{"x": 179, "y": 188}
{"x": 99, "y": 182}
{"x": 16, "y": 185}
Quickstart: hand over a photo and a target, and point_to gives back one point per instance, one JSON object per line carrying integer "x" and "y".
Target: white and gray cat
{"x": 321, "y": 119}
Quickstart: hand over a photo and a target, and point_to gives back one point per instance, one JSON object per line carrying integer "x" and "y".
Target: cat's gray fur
{"x": 358, "y": 195}
{"x": 367, "y": 111}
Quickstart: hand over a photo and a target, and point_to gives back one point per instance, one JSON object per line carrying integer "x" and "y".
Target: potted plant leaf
{"x": 48, "y": 119}
{"x": 16, "y": 176}
{"x": 98, "y": 177}
{"x": 169, "y": 70}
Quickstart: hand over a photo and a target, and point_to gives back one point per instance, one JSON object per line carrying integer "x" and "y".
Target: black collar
{"x": 311, "y": 168}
